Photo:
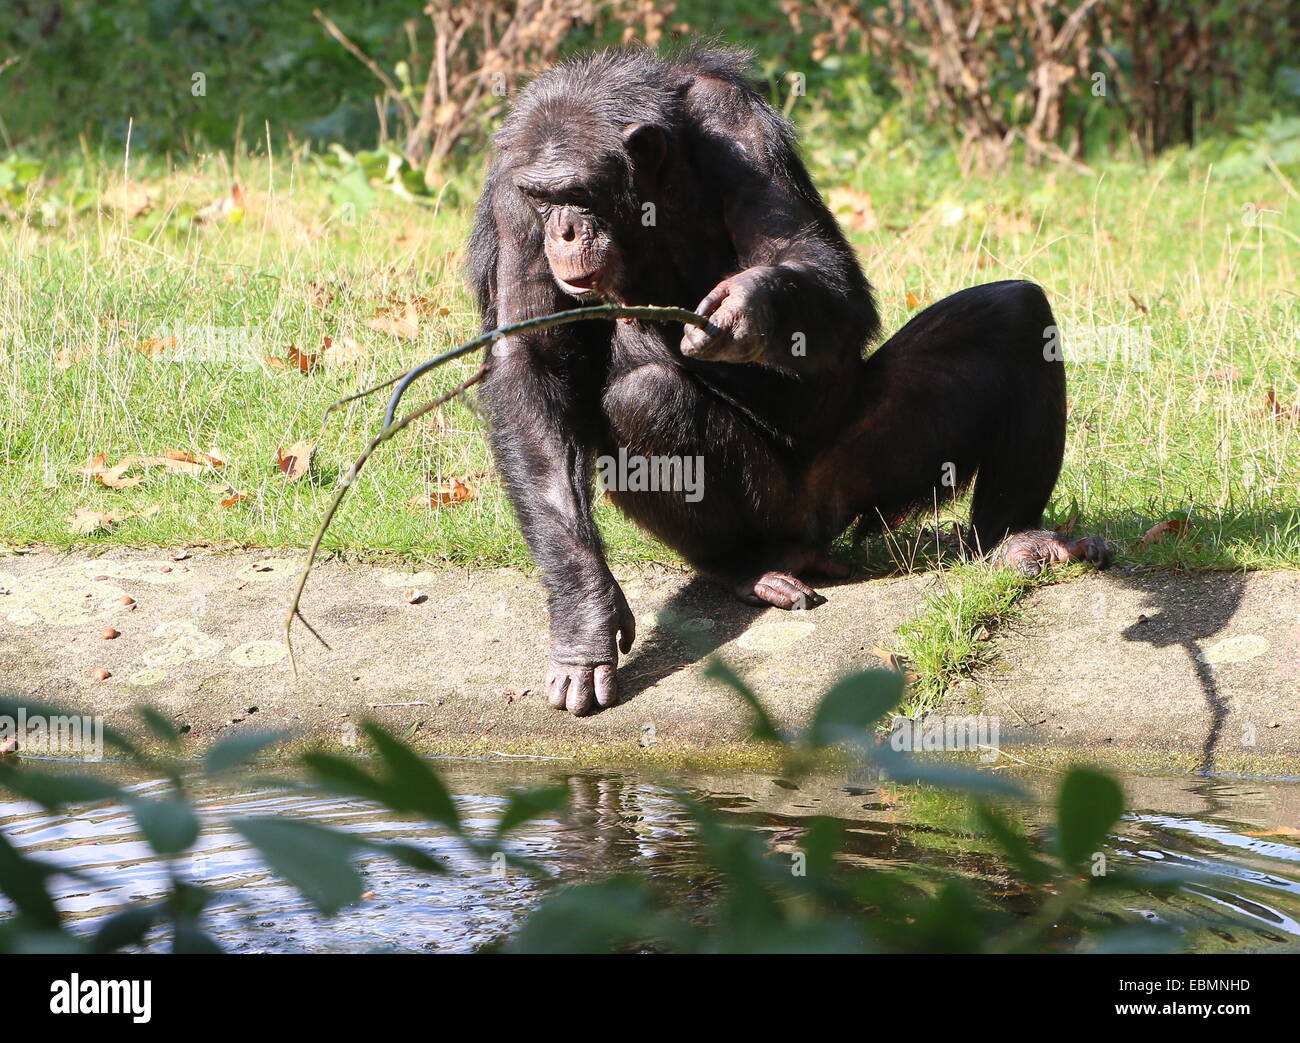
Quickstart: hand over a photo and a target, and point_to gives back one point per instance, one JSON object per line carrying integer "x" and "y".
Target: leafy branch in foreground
{"x": 807, "y": 900}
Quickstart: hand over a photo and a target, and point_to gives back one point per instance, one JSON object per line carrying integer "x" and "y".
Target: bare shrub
{"x": 469, "y": 55}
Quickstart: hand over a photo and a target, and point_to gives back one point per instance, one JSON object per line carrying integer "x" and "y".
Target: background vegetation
{"x": 188, "y": 277}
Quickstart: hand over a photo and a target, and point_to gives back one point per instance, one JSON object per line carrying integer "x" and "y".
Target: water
{"x": 1242, "y": 833}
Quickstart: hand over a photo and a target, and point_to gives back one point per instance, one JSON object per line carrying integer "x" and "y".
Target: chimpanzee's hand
{"x": 739, "y": 310}
{"x": 580, "y": 675}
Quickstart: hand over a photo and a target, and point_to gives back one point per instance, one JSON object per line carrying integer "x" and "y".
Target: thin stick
{"x": 367, "y": 61}
{"x": 392, "y": 427}
{"x": 595, "y": 312}
{"x": 360, "y": 394}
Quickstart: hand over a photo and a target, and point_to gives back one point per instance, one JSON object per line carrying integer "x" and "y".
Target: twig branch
{"x": 392, "y": 427}
{"x": 368, "y": 62}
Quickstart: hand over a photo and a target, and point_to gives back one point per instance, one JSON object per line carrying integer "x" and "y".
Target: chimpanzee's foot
{"x": 1031, "y": 551}
{"x": 580, "y": 689}
{"x": 780, "y": 589}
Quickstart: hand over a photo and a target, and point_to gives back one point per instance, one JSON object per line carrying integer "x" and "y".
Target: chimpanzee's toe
{"x": 781, "y": 590}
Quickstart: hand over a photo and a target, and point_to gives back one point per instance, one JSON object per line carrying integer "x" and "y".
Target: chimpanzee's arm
{"x": 543, "y": 399}
{"x": 800, "y": 301}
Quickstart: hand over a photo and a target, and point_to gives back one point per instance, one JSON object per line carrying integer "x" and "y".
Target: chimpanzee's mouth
{"x": 584, "y": 286}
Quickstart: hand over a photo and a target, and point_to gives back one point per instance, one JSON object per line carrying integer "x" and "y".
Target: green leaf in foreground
{"x": 238, "y": 750}
{"x": 1088, "y": 805}
{"x": 314, "y": 859}
{"x": 596, "y": 918}
{"x": 413, "y": 784}
{"x": 761, "y": 726}
{"x": 169, "y": 824}
{"x": 161, "y": 728}
{"x": 853, "y": 705}
{"x": 528, "y": 804}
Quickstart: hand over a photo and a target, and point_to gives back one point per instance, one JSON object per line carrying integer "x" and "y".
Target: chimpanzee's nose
{"x": 568, "y": 229}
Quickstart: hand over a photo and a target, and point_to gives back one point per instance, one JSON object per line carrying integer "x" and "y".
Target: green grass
{"x": 1161, "y": 251}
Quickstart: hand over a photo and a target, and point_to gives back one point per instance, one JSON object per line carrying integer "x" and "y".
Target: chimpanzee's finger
{"x": 626, "y": 630}
{"x": 555, "y": 686}
{"x": 581, "y": 698}
{"x": 716, "y": 296}
{"x": 606, "y": 685}
{"x": 699, "y": 339}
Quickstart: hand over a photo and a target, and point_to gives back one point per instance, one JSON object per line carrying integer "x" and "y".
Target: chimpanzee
{"x": 670, "y": 181}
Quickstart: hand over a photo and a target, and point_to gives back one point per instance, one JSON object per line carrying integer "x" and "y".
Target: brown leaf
{"x": 888, "y": 658}
{"x": 445, "y": 495}
{"x": 229, "y": 207}
{"x": 400, "y": 320}
{"x": 1226, "y": 375}
{"x": 345, "y": 352}
{"x": 155, "y": 345}
{"x": 129, "y": 197}
{"x": 853, "y": 208}
{"x": 85, "y": 521}
{"x": 229, "y": 495}
{"x": 300, "y": 360}
{"x": 295, "y": 461}
{"x": 1171, "y": 527}
{"x": 1277, "y": 410}
{"x": 319, "y": 295}
{"x": 66, "y": 358}
{"x": 181, "y": 460}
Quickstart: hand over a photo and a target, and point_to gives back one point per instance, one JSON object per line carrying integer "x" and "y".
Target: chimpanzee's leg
{"x": 963, "y": 392}
{"x": 743, "y": 522}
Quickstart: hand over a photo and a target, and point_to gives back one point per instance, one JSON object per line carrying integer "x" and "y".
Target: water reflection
{"x": 1240, "y": 833}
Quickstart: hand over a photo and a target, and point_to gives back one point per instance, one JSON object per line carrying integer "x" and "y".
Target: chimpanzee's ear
{"x": 647, "y": 145}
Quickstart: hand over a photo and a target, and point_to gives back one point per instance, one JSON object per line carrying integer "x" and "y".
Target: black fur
{"x": 795, "y": 445}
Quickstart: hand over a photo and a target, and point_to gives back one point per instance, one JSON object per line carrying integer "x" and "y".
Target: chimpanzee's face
{"x": 572, "y": 208}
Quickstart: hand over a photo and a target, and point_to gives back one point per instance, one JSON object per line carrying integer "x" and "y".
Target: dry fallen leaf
{"x": 183, "y": 459}
{"x": 155, "y": 345}
{"x": 229, "y": 207}
{"x": 301, "y": 361}
{"x": 445, "y": 495}
{"x": 295, "y": 461}
{"x": 888, "y": 658}
{"x": 85, "y": 521}
{"x": 129, "y": 197}
{"x": 172, "y": 459}
{"x": 401, "y": 320}
{"x": 854, "y": 209}
{"x": 319, "y": 295}
{"x": 344, "y": 352}
{"x": 1277, "y": 410}
{"x": 66, "y": 358}
{"x": 229, "y": 495}
{"x": 1172, "y": 527}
